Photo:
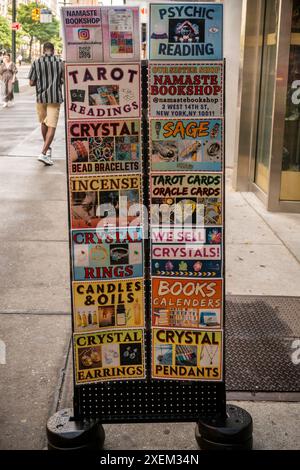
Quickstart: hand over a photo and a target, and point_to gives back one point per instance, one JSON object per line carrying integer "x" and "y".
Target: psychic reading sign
{"x": 186, "y": 145}
{"x": 186, "y": 354}
{"x": 103, "y": 91}
{"x": 104, "y": 147}
{"x": 186, "y": 31}
{"x": 191, "y": 90}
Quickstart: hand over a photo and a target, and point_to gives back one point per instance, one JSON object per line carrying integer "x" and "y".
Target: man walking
{"x": 47, "y": 75}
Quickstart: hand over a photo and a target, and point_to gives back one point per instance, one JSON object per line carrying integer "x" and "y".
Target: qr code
{"x": 85, "y": 52}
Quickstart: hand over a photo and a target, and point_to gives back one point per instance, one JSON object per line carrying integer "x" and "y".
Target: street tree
{"x": 43, "y": 32}
{"x": 5, "y": 33}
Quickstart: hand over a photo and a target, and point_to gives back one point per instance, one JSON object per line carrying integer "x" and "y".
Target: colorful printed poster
{"x": 186, "y": 354}
{"x": 186, "y": 31}
{"x": 186, "y": 90}
{"x": 187, "y": 259}
{"x": 103, "y": 91}
{"x": 186, "y": 303}
{"x": 186, "y": 145}
{"x": 82, "y": 34}
{"x": 195, "y": 267}
{"x": 121, "y": 33}
{"x": 109, "y": 355}
{"x": 190, "y": 199}
{"x": 187, "y": 252}
{"x": 101, "y": 201}
{"x": 108, "y": 304}
{"x": 187, "y": 236}
{"x": 104, "y": 147}
{"x": 107, "y": 253}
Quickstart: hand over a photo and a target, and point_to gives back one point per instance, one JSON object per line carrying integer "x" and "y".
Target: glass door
{"x": 290, "y": 174}
{"x": 266, "y": 98}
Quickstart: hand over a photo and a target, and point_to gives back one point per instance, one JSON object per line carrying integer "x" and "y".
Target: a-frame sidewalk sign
{"x": 146, "y": 199}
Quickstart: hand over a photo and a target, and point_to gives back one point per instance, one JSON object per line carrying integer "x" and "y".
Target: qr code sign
{"x": 85, "y": 52}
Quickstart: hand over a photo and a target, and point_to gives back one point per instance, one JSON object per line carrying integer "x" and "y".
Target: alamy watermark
{"x": 295, "y": 356}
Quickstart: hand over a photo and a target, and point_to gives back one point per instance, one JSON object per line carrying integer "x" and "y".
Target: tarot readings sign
{"x": 107, "y": 254}
{"x": 121, "y": 33}
{"x": 104, "y": 147}
{"x": 187, "y": 31}
{"x": 186, "y": 90}
{"x": 186, "y": 303}
{"x": 187, "y": 259}
{"x": 102, "y": 91}
{"x": 108, "y": 304}
{"x": 188, "y": 199}
{"x": 82, "y": 34}
{"x": 100, "y": 201}
{"x": 186, "y": 145}
{"x": 109, "y": 355}
{"x": 186, "y": 354}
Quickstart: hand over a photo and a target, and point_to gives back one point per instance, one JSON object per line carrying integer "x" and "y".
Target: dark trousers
{"x": 8, "y": 90}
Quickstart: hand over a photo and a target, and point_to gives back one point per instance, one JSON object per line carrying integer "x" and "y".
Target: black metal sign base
{"x": 66, "y": 433}
{"x": 151, "y": 400}
{"x": 230, "y": 432}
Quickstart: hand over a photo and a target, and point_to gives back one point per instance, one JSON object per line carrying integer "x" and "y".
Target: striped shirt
{"x": 47, "y": 73}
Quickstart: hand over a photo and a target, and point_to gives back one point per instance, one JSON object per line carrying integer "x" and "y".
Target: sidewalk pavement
{"x": 262, "y": 256}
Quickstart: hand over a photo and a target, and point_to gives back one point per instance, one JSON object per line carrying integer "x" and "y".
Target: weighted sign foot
{"x": 234, "y": 432}
{"x": 64, "y": 433}
{"x": 205, "y": 444}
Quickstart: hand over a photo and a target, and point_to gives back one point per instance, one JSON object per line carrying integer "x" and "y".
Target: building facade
{"x": 267, "y": 159}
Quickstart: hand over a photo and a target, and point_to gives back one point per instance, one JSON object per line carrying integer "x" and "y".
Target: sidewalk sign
{"x": 186, "y": 31}
{"x": 148, "y": 318}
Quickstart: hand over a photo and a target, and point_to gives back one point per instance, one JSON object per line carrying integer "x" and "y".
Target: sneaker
{"x": 293, "y": 117}
{"x": 49, "y": 152}
{"x": 45, "y": 159}
{"x": 5, "y": 105}
{"x": 10, "y": 104}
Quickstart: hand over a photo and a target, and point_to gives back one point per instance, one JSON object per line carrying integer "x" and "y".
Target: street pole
{"x": 13, "y": 32}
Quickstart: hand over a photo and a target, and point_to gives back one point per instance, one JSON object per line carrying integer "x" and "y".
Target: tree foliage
{"x": 5, "y": 33}
{"x": 43, "y": 32}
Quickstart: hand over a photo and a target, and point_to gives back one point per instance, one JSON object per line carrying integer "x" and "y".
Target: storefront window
{"x": 267, "y": 88}
{"x": 290, "y": 176}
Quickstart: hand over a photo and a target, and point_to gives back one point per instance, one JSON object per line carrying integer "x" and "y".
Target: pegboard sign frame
{"x": 153, "y": 400}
